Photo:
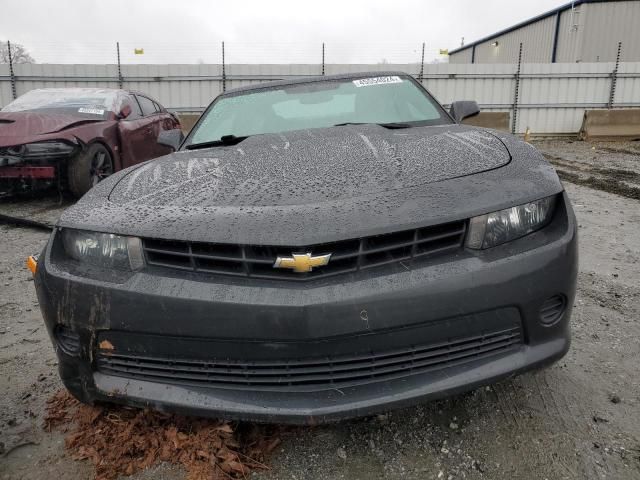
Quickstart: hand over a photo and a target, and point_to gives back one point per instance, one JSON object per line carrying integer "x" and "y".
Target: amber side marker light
{"x": 32, "y": 263}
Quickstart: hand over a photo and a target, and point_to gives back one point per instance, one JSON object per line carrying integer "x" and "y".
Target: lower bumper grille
{"x": 311, "y": 374}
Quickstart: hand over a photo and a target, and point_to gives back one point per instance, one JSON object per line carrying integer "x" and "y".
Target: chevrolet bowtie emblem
{"x": 302, "y": 262}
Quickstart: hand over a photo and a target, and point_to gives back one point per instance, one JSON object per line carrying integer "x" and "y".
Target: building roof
{"x": 542, "y": 16}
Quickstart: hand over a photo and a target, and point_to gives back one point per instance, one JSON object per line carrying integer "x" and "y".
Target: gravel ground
{"x": 604, "y": 166}
{"x": 577, "y": 419}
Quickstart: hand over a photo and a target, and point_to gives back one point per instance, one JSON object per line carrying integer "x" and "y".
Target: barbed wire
{"x": 145, "y": 52}
{"x": 237, "y": 52}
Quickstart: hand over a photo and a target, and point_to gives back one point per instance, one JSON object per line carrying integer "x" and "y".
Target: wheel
{"x": 89, "y": 168}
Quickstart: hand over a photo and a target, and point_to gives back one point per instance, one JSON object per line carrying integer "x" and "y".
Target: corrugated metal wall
{"x": 463, "y": 56}
{"x": 628, "y": 83}
{"x": 5, "y": 85}
{"x": 537, "y": 41}
{"x": 570, "y": 33}
{"x": 588, "y": 33}
{"x": 492, "y": 86}
{"x": 552, "y": 97}
{"x": 606, "y": 24}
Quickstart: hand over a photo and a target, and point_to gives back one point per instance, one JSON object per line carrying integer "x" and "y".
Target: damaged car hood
{"x": 313, "y": 186}
{"x": 312, "y": 166}
{"x": 21, "y": 127}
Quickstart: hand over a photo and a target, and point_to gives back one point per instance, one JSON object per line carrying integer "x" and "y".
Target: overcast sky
{"x": 187, "y": 31}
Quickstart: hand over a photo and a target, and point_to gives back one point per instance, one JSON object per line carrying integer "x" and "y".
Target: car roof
{"x": 79, "y": 90}
{"x": 85, "y": 90}
{"x": 41, "y": 97}
{"x": 312, "y": 79}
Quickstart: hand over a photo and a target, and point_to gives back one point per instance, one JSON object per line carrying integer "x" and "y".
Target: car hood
{"x": 345, "y": 183}
{"x": 312, "y": 166}
{"x": 21, "y": 127}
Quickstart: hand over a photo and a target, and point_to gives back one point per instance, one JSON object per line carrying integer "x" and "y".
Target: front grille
{"x": 346, "y": 256}
{"x": 311, "y": 374}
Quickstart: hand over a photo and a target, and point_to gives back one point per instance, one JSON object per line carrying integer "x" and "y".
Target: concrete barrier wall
{"x": 188, "y": 120}
{"x": 495, "y": 120}
{"x": 611, "y": 125}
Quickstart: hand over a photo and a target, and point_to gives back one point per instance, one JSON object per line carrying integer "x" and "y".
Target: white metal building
{"x": 580, "y": 31}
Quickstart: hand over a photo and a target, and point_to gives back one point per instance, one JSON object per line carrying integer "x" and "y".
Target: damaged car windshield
{"x": 391, "y": 101}
{"x": 82, "y": 102}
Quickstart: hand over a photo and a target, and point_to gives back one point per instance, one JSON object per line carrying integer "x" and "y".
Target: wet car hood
{"x": 315, "y": 186}
{"x": 17, "y": 128}
{"x": 312, "y": 166}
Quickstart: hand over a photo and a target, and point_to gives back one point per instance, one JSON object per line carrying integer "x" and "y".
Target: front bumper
{"x": 28, "y": 172}
{"x": 125, "y": 326}
{"x": 18, "y": 178}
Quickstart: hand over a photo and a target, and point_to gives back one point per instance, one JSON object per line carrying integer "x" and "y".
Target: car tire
{"x": 88, "y": 168}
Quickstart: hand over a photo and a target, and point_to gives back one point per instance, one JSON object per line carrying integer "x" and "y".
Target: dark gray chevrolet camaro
{"x": 316, "y": 249}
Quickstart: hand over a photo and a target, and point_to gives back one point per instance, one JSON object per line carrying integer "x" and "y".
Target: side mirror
{"x": 125, "y": 111}
{"x": 464, "y": 109}
{"x": 171, "y": 138}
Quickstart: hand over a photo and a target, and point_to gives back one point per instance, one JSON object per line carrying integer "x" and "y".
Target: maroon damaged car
{"x": 75, "y": 137}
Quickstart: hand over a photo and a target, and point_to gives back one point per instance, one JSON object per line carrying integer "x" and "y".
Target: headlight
{"x": 103, "y": 249}
{"x": 505, "y": 225}
{"x": 46, "y": 150}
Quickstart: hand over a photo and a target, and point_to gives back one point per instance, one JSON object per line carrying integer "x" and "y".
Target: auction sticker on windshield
{"x": 367, "y": 82}
{"x": 95, "y": 111}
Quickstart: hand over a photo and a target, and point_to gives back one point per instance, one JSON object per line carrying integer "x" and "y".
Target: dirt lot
{"x": 578, "y": 419}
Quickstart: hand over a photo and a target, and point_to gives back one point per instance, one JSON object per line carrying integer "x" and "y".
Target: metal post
{"x": 11, "y": 73}
{"x": 323, "y": 59}
{"x": 556, "y": 36}
{"x": 120, "y": 79}
{"x": 224, "y": 71}
{"x": 421, "y": 65}
{"x": 614, "y": 78}
{"x": 516, "y": 92}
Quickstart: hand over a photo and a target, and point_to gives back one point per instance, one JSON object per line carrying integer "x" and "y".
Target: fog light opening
{"x": 553, "y": 309}
{"x": 68, "y": 341}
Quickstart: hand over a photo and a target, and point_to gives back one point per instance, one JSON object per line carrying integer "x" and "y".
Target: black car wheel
{"x": 89, "y": 168}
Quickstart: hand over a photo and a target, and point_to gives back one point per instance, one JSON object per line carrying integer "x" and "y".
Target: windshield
{"x": 387, "y": 99}
{"x": 83, "y": 102}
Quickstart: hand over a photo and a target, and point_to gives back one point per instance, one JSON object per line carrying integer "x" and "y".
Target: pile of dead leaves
{"x": 122, "y": 440}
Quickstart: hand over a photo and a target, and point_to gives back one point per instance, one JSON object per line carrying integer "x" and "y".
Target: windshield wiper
{"x": 223, "y": 141}
{"x": 394, "y": 125}
{"x": 390, "y": 125}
